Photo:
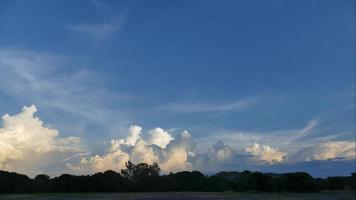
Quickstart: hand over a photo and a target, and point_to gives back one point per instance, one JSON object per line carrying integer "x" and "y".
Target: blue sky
{"x": 237, "y": 71}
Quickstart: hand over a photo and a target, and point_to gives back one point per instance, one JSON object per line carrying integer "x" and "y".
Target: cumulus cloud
{"x": 176, "y": 154}
{"x": 160, "y": 137}
{"x": 328, "y": 151}
{"x": 220, "y": 151}
{"x": 171, "y": 154}
{"x": 217, "y": 154}
{"x": 134, "y": 135}
{"x": 265, "y": 154}
{"x": 24, "y": 140}
{"x": 28, "y": 146}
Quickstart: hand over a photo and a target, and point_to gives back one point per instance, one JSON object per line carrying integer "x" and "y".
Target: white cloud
{"x": 50, "y": 82}
{"x": 220, "y": 152}
{"x": 217, "y": 154}
{"x": 193, "y": 107}
{"x": 176, "y": 159}
{"x": 277, "y": 138}
{"x": 111, "y": 22}
{"x": 160, "y": 137}
{"x": 328, "y": 151}
{"x": 28, "y": 146}
{"x": 175, "y": 156}
{"x": 143, "y": 152}
{"x": 303, "y": 132}
{"x": 134, "y": 135}
{"x": 265, "y": 154}
{"x": 98, "y": 30}
{"x": 25, "y": 140}
{"x": 294, "y": 144}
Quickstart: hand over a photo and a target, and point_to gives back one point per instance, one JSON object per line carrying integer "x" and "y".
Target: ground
{"x": 342, "y": 195}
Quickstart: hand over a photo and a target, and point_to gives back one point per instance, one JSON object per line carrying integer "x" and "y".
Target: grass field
{"x": 342, "y": 195}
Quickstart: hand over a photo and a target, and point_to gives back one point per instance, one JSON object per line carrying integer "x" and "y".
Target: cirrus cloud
{"x": 29, "y": 146}
{"x": 332, "y": 150}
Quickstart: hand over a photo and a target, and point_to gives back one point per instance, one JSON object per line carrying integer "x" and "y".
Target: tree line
{"x": 146, "y": 178}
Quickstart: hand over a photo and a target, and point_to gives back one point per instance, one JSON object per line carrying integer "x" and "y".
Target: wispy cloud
{"x": 195, "y": 107}
{"x": 48, "y": 81}
{"x": 295, "y": 143}
{"x": 303, "y": 132}
{"x": 99, "y": 30}
{"x": 110, "y": 24}
{"x": 278, "y": 138}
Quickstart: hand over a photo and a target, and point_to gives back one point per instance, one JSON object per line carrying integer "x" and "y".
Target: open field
{"x": 342, "y": 195}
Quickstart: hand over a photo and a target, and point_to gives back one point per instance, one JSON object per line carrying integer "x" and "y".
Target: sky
{"x": 203, "y": 85}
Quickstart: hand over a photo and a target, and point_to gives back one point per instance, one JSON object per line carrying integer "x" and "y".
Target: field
{"x": 342, "y": 195}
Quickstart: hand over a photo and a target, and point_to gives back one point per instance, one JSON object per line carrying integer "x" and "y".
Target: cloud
{"x": 194, "y": 107}
{"x": 28, "y": 146}
{"x": 219, "y": 153}
{"x": 171, "y": 157}
{"x": 25, "y": 141}
{"x": 277, "y": 138}
{"x": 98, "y": 30}
{"x": 303, "y": 132}
{"x": 160, "y": 137}
{"x": 273, "y": 146}
{"x": 111, "y": 22}
{"x": 331, "y": 150}
{"x": 49, "y": 81}
{"x": 175, "y": 156}
{"x": 299, "y": 144}
{"x": 134, "y": 135}
{"x": 265, "y": 154}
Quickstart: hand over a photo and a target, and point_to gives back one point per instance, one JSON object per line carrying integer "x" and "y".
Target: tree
{"x": 186, "y": 181}
{"x": 139, "y": 171}
{"x": 41, "y": 182}
{"x": 335, "y": 183}
{"x": 145, "y": 178}
{"x": 353, "y": 181}
{"x": 154, "y": 169}
{"x": 217, "y": 184}
{"x": 300, "y": 182}
{"x": 129, "y": 171}
{"x": 11, "y": 182}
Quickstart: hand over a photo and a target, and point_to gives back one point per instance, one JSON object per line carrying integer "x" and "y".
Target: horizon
{"x": 211, "y": 86}
{"x": 211, "y": 174}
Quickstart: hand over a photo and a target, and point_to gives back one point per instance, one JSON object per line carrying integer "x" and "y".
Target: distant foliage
{"x": 12, "y": 182}
{"x": 145, "y": 178}
{"x": 139, "y": 171}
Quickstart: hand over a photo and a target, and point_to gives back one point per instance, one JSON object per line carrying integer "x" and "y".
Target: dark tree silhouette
{"x": 299, "y": 182}
{"x": 139, "y": 171}
{"x": 11, "y": 182}
{"x": 129, "y": 172}
{"x": 41, "y": 183}
{"x": 352, "y": 181}
{"x": 145, "y": 178}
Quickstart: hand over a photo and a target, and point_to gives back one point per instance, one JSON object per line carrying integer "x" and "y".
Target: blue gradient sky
{"x": 214, "y": 68}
